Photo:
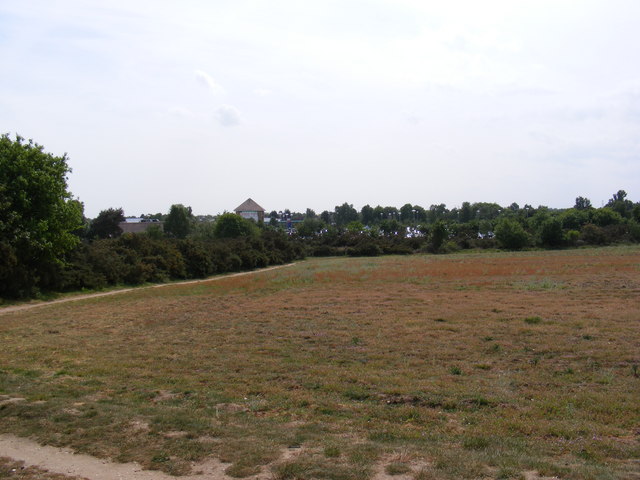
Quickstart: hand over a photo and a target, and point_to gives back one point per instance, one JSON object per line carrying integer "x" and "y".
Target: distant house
{"x": 251, "y": 210}
{"x": 138, "y": 225}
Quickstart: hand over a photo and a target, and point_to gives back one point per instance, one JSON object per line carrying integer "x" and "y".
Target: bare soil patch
{"x": 24, "y": 459}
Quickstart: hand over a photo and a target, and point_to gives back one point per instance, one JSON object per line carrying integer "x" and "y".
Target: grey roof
{"x": 249, "y": 206}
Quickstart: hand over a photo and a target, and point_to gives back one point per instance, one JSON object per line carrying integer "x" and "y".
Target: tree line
{"x": 473, "y": 225}
{"x": 46, "y": 243}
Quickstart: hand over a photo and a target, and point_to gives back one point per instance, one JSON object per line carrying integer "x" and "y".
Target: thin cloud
{"x": 180, "y": 112}
{"x": 228, "y": 116}
{"x": 262, "y": 92}
{"x": 206, "y": 80}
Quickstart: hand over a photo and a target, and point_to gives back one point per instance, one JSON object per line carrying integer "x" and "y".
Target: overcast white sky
{"x": 302, "y": 104}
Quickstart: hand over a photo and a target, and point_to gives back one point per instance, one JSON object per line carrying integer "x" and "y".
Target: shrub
{"x": 511, "y": 235}
{"x": 551, "y": 234}
{"x": 593, "y": 234}
{"x": 366, "y": 248}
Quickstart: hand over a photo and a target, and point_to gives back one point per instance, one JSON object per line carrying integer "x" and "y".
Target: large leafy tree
{"x": 38, "y": 216}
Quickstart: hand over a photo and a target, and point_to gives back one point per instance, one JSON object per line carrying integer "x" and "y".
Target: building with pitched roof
{"x": 251, "y": 210}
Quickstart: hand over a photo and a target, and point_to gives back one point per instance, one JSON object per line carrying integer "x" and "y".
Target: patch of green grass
{"x": 533, "y": 320}
{"x": 331, "y": 451}
{"x": 397, "y": 468}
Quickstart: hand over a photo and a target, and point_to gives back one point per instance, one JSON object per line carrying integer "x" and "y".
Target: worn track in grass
{"x": 75, "y": 298}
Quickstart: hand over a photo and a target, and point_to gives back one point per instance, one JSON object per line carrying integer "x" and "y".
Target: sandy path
{"x": 28, "y": 306}
{"x": 64, "y": 461}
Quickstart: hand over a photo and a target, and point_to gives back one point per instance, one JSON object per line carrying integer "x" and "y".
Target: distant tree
{"x": 551, "y": 234}
{"x": 438, "y": 235}
{"x": 379, "y": 213}
{"x": 487, "y": 211}
{"x": 406, "y": 213}
{"x": 153, "y": 216}
{"x": 391, "y": 227}
{"x": 310, "y": 213}
{"x": 574, "y": 218}
{"x": 420, "y": 213}
{"x": 620, "y": 204}
{"x": 367, "y": 215}
{"x": 391, "y": 213}
{"x": 437, "y": 212}
{"x": 582, "y": 203}
{"x": 355, "y": 227}
{"x": 528, "y": 210}
{"x": 345, "y": 213}
{"x": 38, "y": 216}
{"x": 325, "y": 216}
{"x": 106, "y": 224}
{"x": 510, "y": 234}
{"x": 230, "y": 225}
{"x": 179, "y": 222}
{"x": 309, "y": 227}
{"x": 605, "y": 216}
{"x": 465, "y": 213}
{"x": 620, "y": 196}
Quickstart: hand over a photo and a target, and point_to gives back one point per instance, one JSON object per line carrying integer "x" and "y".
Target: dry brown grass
{"x": 473, "y": 365}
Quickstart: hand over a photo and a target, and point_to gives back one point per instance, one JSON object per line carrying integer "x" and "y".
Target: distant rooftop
{"x": 140, "y": 220}
{"x": 249, "y": 206}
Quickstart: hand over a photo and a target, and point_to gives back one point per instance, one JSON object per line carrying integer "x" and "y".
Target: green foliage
{"x": 511, "y": 235}
{"x": 368, "y": 215}
{"x": 106, "y": 224}
{"x": 37, "y": 216}
{"x": 582, "y": 203}
{"x": 230, "y": 225}
{"x": 133, "y": 259}
{"x": 310, "y": 226}
{"x": 572, "y": 237}
{"x": 574, "y": 218}
{"x": 465, "y": 213}
{"x": 345, "y": 213}
{"x": 593, "y": 235}
{"x": 391, "y": 227}
{"x": 406, "y": 213}
{"x": 551, "y": 234}
{"x": 603, "y": 217}
{"x": 620, "y": 204}
{"x": 179, "y": 221}
{"x": 438, "y": 236}
{"x": 355, "y": 227}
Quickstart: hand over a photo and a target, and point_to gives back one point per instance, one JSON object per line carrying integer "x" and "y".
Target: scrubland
{"x": 484, "y": 365}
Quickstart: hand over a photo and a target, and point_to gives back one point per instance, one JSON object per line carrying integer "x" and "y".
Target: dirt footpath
{"x": 63, "y": 461}
{"x": 28, "y": 306}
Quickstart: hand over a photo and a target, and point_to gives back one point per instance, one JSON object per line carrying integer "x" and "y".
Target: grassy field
{"x": 428, "y": 367}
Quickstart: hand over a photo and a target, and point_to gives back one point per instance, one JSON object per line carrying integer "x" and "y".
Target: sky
{"x": 312, "y": 104}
